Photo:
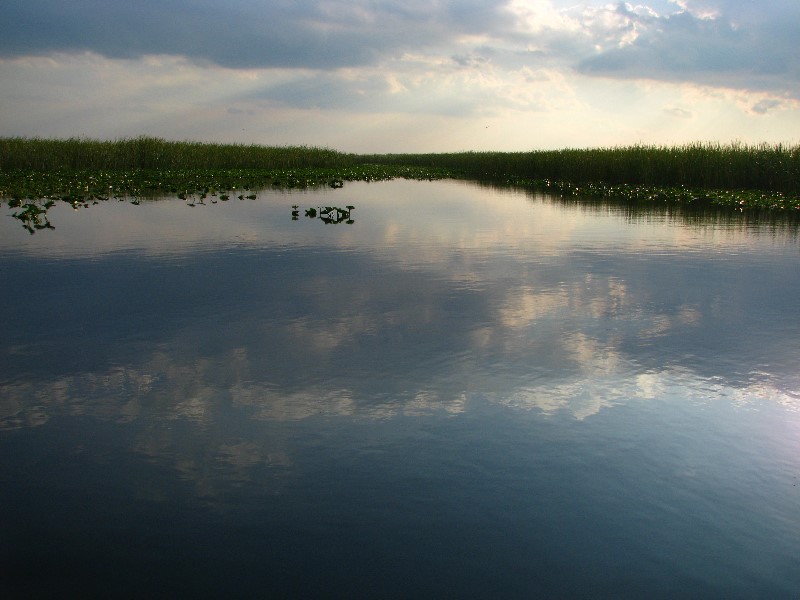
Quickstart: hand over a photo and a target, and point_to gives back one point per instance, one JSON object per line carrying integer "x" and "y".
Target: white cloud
{"x": 680, "y": 113}
{"x": 711, "y": 43}
{"x": 419, "y": 76}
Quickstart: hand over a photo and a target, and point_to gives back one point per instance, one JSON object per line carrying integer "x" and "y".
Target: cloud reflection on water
{"x": 441, "y": 297}
{"x": 603, "y": 379}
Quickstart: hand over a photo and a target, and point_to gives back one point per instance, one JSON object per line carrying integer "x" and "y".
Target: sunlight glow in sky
{"x": 411, "y": 76}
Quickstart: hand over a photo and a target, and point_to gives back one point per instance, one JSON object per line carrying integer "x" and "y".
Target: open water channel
{"x": 461, "y": 392}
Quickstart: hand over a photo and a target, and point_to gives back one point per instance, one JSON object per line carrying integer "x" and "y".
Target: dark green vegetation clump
{"x": 35, "y": 173}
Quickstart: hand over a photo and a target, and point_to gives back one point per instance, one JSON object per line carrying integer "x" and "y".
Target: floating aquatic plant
{"x": 330, "y": 215}
{"x": 34, "y": 217}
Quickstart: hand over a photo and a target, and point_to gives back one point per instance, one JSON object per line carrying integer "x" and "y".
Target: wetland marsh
{"x": 406, "y": 385}
{"x": 36, "y": 173}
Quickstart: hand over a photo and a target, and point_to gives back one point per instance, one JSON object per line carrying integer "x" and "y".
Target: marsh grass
{"x": 82, "y": 171}
{"x": 769, "y": 168}
{"x": 76, "y": 169}
{"x": 149, "y": 153}
{"x": 774, "y": 168}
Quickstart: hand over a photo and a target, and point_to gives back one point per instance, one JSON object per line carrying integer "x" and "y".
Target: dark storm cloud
{"x": 239, "y": 33}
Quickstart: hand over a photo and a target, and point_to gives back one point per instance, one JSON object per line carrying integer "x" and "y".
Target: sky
{"x": 403, "y": 76}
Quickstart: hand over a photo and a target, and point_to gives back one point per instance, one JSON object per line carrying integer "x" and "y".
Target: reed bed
{"x": 80, "y": 171}
{"x": 773, "y": 168}
{"x": 711, "y": 166}
{"x": 149, "y": 153}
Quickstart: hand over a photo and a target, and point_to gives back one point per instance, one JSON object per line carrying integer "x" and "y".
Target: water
{"x": 465, "y": 392}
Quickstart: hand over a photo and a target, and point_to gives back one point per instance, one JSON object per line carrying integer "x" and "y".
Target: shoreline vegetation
{"x": 36, "y": 172}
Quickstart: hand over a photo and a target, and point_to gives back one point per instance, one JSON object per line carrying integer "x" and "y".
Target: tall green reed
{"x": 717, "y": 166}
{"x": 765, "y": 167}
{"x": 152, "y": 153}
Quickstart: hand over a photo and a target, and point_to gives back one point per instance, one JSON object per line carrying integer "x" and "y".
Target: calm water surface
{"x": 463, "y": 393}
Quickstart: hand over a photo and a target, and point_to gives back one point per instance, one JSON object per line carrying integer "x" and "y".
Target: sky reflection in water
{"x": 233, "y": 346}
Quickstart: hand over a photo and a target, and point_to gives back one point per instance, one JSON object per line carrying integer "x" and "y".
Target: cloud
{"x": 380, "y": 75}
{"x": 723, "y": 43}
{"x": 764, "y": 106}
{"x": 678, "y": 112}
{"x": 320, "y": 34}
